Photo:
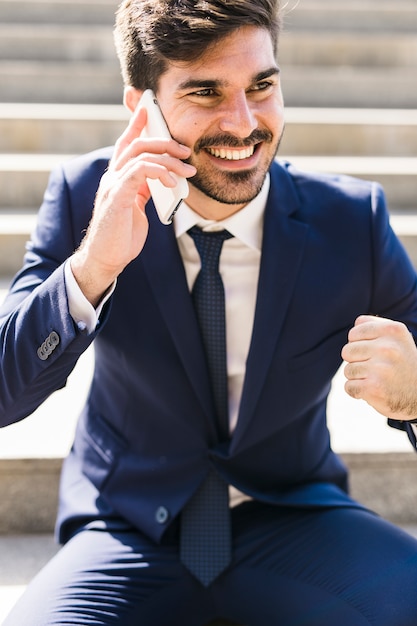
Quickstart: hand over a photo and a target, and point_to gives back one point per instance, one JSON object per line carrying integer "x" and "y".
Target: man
{"x": 307, "y": 255}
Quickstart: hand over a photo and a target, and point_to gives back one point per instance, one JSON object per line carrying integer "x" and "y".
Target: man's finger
{"x": 133, "y": 130}
{"x": 354, "y": 389}
{"x": 355, "y": 371}
{"x": 363, "y": 319}
{"x": 367, "y": 327}
{"x": 356, "y": 351}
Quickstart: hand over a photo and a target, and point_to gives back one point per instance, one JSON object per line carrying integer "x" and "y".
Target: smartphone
{"x": 166, "y": 199}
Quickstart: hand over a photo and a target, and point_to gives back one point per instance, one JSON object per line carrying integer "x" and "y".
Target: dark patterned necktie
{"x": 205, "y": 547}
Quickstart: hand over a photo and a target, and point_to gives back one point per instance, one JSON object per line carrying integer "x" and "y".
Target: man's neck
{"x": 211, "y": 209}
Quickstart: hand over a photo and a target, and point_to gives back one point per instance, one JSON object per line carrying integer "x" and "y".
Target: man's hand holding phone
{"x": 119, "y": 226}
{"x": 166, "y": 199}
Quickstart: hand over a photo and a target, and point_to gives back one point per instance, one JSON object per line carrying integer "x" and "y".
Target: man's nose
{"x": 238, "y": 117}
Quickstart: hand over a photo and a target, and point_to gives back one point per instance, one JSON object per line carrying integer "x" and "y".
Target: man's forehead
{"x": 249, "y": 47}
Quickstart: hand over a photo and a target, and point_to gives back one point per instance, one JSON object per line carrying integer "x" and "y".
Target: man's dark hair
{"x": 150, "y": 33}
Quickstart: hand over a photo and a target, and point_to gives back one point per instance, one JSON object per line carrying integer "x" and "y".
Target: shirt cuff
{"x": 81, "y": 311}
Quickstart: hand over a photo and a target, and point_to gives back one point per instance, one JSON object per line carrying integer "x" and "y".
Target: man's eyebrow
{"x": 201, "y": 83}
{"x": 272, "y": 71}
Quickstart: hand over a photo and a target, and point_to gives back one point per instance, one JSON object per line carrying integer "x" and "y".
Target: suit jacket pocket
{"x": 99, "y": 447}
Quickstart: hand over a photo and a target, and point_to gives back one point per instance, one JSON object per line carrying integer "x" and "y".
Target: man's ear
{"x": 131, "y": 97}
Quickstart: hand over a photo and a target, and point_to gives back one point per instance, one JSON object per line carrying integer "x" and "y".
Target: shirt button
{"x": 161, "y": 515}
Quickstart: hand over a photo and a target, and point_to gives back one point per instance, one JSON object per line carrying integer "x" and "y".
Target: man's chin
{"x": 237, "y": 188}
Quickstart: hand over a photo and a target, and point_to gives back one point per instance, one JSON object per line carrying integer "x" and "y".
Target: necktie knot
{"x": 209, "y": 245}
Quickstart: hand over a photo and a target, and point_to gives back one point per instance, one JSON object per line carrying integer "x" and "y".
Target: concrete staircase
{"x": 349, "y": 78}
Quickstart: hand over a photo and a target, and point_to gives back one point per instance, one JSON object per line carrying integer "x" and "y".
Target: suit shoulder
{"x": 317, "y": 196}
{"x": 87, "y": 167}
{"x": 313, "y": 183}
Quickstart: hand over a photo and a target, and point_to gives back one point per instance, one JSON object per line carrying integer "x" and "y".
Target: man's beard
{"x": 239, "y": 187}
{"x": 234, "y": 188}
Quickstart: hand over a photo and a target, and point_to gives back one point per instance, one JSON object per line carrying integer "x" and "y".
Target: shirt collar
{"x": 246, "y": 225}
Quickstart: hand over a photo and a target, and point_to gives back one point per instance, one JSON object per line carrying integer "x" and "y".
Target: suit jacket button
{"x": 162, "y": 515}
{"x": 53, "y": 339}
{"x": 42, "y": 354}
{"x": 45, "y": 350}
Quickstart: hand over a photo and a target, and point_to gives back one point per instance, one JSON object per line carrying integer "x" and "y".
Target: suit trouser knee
{"x": 290, "y": 566}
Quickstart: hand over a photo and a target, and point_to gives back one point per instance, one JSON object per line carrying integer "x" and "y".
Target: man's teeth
{"x": 232, "y": 155}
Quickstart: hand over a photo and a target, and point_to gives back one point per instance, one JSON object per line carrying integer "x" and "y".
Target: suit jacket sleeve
{"x": 40, "y": 341}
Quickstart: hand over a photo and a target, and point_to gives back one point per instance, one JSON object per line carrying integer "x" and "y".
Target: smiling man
{"x": 201, "y": 483}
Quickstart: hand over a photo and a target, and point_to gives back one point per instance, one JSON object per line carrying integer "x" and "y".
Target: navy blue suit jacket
{"x": 146, "y": 438}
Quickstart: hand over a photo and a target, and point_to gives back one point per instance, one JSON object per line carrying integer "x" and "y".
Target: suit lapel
{"x": 166, "y": 275}
{"x": 282, "y": 251}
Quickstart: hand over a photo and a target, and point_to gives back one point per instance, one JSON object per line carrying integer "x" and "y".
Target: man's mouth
{"x": 232, "y": 154}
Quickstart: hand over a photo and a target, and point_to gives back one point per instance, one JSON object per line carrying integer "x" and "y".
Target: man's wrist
{"x": 81, "y": 310}
{"x": 93, "y": 287}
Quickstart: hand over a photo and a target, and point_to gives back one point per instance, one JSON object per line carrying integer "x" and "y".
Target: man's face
{"x": 228, "y": 108}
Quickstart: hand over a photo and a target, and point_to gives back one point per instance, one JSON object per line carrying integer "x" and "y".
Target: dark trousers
{"x": 291, "y": 567}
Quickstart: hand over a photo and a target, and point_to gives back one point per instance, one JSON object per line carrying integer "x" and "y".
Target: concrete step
{"x": 358, "y": 49}
{"x": 15, "y": 229}
{"x": 356, "y": 16}
{"x": 21, "y": 557}
{"x": 23, "y": 178}
{"x": 73, "y": 129}
{"x": 58, "y": 42}
{"x": 369, "y": 15}
{"x": 348, "y": 86}
{"x": 405, "y": 227}
{"x": 342, "y": 132}
{"x": 58, "y": 11}
{"x": 78, "y": 82}
{"x": 61, "y": 128}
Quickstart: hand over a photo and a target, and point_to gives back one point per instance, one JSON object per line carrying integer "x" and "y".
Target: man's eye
{"x": 203, "y": 93}
{"x": 262, "y": 86}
